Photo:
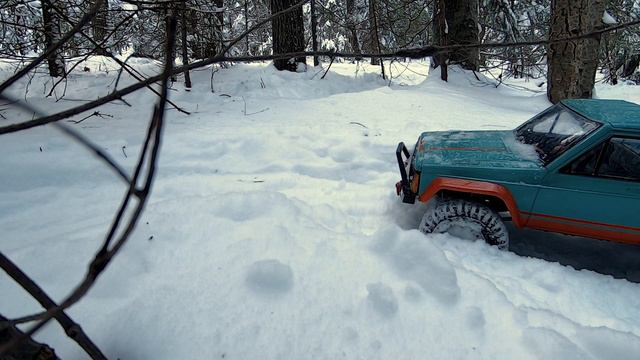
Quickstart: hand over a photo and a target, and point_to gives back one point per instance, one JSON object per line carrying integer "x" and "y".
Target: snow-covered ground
{"x": 273, "y": 231}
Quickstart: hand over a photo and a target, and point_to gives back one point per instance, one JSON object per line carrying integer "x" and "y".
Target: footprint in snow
{"x": 475, "y": 318}
{"x": 269, "y": 276}
{"x": 382, "y": 299}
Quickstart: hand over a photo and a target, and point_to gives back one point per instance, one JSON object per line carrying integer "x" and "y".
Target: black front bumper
{"x": 403, "y": 187}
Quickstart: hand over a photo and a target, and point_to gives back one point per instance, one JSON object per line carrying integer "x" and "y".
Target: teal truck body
{"x": 572, "y": 169}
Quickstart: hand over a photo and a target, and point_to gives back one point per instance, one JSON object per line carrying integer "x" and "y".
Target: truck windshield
{"x": 554, "y": 131}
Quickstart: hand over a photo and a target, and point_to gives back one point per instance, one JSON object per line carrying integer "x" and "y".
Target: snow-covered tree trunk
{"x": 288, "y": 34}
{"x": 572, "y": 64}
{"x": 52, "y": 33}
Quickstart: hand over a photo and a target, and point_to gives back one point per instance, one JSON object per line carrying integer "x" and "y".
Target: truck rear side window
{"x": 617, "y": 158}
{"x": 621, "y": 159}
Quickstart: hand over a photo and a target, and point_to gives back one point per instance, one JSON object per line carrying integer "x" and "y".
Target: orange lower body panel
{"x": 625, "y": 234}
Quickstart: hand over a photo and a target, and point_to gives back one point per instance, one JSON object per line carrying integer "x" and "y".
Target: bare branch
{"x": 78, "y": 137}
{"x": 33, "y": 64}
{"x": 415, "y": 53}
{"x": 71, "y": 328}
{"x": 106, "y": 254}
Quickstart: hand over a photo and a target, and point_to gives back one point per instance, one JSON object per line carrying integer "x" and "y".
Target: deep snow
{"x": 273, "y": 231}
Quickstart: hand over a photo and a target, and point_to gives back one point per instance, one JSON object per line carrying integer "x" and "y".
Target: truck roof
{"x": 617, "y": 113}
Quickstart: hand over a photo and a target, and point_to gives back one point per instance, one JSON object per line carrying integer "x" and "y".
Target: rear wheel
{"x": 467, "y": 220}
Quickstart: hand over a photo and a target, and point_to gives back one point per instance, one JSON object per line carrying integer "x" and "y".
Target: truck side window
{"x": 585, "y": 164}
{"x": 617, "y": 158}
{"x": 621, "y": 159}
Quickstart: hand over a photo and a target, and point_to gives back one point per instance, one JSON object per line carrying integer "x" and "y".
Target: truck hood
{"x": 486, "y": 149}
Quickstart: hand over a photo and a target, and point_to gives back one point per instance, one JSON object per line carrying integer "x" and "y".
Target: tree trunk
{"x": 456, "y": 22}
{"x": 351, "y": 27}
{"x": 462, "y": 27}
{"x": 440, "y": 37}
{"x": 219, "y": 43}
{"x": 61, "y": 10}
{"x": 572, "y": 64}
{"x": 21, "y": 33}
{"x": 288, "y": 34}
{"x": 169, "y": 12}
{"x": 99, "y": 26}
{"x": 185, "y": 51}
{"x": 52, "y": 34}
{"x": 373, "y": 32}
{"x": 630, "y": 65}
{"x": 205, "y": 29}
{"x": 314, "y": 35}
{"x": 246, "y": 27}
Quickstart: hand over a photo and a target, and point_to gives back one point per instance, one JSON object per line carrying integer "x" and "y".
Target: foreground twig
{"x": 328, "y": 67}
{"x": 111, "y": 245}
{"x": 95, "y": 113}
{"x": 137, "y": 194}
{"x": 96, "y": 150}
{"x": 72, "y": 329}
{"x": 28, "y": 349}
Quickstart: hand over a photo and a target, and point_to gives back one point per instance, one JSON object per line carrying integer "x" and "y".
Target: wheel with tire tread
{"x": 466, "y": 219}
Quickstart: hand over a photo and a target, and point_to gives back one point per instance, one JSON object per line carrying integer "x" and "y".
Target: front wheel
{"x": 468, "y": 220}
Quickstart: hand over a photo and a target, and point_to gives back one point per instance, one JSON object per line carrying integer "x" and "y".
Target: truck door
{"x": 596, "y": 195}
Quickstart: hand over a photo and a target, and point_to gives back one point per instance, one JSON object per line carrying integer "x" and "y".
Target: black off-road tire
{"x": 479, "y": 220}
